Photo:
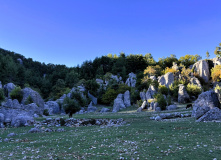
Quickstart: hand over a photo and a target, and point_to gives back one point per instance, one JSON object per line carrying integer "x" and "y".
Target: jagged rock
{"x": 52, "y": 107}
{"x": 12, "y": 104}
{"x": 0, "y": 85}
{"x": 153, "y": 78}
{"x": 131, "y": 81}
{"x": 127, "y": 99}
{"x": 202, "y": 69}
{"x": 94, "y": 99}
{"x": 195, "y": 81}
{"x": 206, "y": 101}
{"x": 32, "y": 109}
{"x": 100, "y": 81}
{"x": 20, "y": 61}
{"x": 212, "y": 114}
{"x": 166, "y": 79}
{"x": 139, "y": 109}
{"x": 61, "y": 99}
{"x": 103, "y": 110}
{"x": 158, "y": 118}
{"x": 175, "y": 66}
{"x": 91, "y": 108}
{"x": 2, "y": 118}
{"x": 144, "y": 104}
{"x": 22, "y": 120}
{"x": 157, "y": 109}
{"x": 36, "y": 98}
{"x": 216, "y": 61}
{"x": 8, "y": 88}
{"x": 171, "y": 107}
{"x": 118, "y": 103}
{"x": 183, "y": 96}
{"x": 34, "y": 130}
{"x": 150, "y": 92}
{"x": 11, "y": 135}
{"x": 142, "y": 96}
{"x": 81, "y": 88}
{"x": 151, "y": 106}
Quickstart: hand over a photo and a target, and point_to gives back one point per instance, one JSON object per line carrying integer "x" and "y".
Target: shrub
{"x": 109, "y": 96}
{"x": 77, "y": 96}
{"x": 163, "y": 89}
{"x": 2, "y": 96}
{"x": 216, "y": 73}
{"x": 122, "y": 88}
{"x": 139, "y": 103}
{"x": 16, "y": 94}
{"x": 169, "y": 100}
{"x": 173, "y": 89}
{"x": 28, "y": 100}
{"x": 134, "y": 96}
{"x": 172, "y": 70}
{"x": 162, "y": 103}
{"x": 71, "y": 106}
{"x": 46, "y": 113}
{"x": 193, "y": 90}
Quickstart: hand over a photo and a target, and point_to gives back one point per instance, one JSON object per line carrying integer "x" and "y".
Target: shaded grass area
{"x": 140, "y": 138}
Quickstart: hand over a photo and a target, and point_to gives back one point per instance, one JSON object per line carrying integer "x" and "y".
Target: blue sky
{"x": 72, "y": 31}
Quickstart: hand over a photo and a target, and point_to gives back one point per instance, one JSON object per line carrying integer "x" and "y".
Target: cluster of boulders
{"x": 122, "y": 101}
{"x": 207, "y": 107}
{"x": 71, "y": 122}
{"x": 15, "y": 114}
{"x": 170, "y": 116}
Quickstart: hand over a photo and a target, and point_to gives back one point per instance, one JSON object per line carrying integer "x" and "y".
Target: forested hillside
{"x": 52, "y": 81}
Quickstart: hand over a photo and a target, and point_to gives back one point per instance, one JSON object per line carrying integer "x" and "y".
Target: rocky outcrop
{"x": 12, "y": 104}
{"x": 212, "y": 114}
{"x": 104, "y": 110}
{"x": 202, "y": 69}
{"x": 206, "y": 101}
{"x": 22, "y": 120}
{"x": 118, "y": 103}
{"x": 195, "y": 81}
{"x": 36, "y": 98}
{"x": 0, "y": 85}
{"x": 91, "y": 108}
{"x": 8, "y": 88}
{"x": 144, "y": 105}
{"x": 94, "y": 99}
{"x": 131, "y": 81}
{"x": 150, "y": 92}
{"x": 171, "y": 107}
{"x": 143, "y": 96}
{"x": 165, "y": 116}
{"x": 52, "y": 107}
{"x": 153, "y": 78}
{"x": 216, "y": 61}
{"x": 20, "y": 61}
{"x": 127, "y": 99}
{"x": 183, "y": 96}
{"x": 166, "y": 79}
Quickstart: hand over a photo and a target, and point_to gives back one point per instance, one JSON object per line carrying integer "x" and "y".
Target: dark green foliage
{"x": 2, "y": 96}
{"x": 45, "y": 112}
{"x": 173, "y": 89}
{"x": 77, "y": 96}
{"x": 28, "y": 100}
{"x": 163, "y": 89}
{"x": 169, "y": 100}
{"x": 167, "y": 62}
{"x": 71, "y": 106}
{"x": 134, "y": 95}
{"x": 71, "y": 79}
{"x": 16, "y": 94}
{"x": 92, "y": 86}
{"x": 193, "y": 90}
{"x": 109, "y": 96}
{"x": 122, "y": 88}
{"x": 62, "y": 121}
{"x": 58, "y": 89}
{"x": 162, "y": 103}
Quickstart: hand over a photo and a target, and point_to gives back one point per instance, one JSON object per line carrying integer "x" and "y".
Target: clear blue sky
{"x": 72, "y": 31}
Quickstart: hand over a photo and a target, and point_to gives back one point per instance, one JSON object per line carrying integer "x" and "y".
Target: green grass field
{"x": 139, "y": 138}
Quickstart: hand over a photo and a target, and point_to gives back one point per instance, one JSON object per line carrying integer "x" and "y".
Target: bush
{"x": 46, "y": 113}
{"x": 193, "y": 90}
{"x": 173, "y": 89}
{"x": 16, "y": 94}
{"x": 71, "y": 106}
{"x": 139, "y": 103}
{"x": 162, "y": 103}
{"x": 172, "y": 70}
{"x": 109, "y": 96}
{"x": 122, "y": 88}
{"x": 163, "y": 89}
{"x": 28, "y": 100}
{"x": 2, "y": 96}
{"x": 77, "y": 96}
{"x": 216, "y": 73}
{"x": 134, "y": 96}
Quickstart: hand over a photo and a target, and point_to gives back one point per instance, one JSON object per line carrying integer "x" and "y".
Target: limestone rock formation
{"x": 8, "y": 88}
{"x": 166, "y": 79}
{"x": 118, "y": 103}
{"x": 94, "y": 99}
{"x": 202, "y": 69}
{"x": 127, "y": 99}
{"x": 52, "y": 107}
{"x": 131, "y": 81}
{"x": 183, "y": 96}
{"x": 91, "y": 108}
{"x": 195, "y": 81}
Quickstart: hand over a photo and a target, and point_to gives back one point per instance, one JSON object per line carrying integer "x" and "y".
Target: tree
{"x": 217, "y": 51}
{"x": 188, "y": 60}
{"x": 207, "y": 54}
{"x": 71, "y": 106}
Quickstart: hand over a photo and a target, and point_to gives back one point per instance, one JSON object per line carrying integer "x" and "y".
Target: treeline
{"x": 52, "y": 81}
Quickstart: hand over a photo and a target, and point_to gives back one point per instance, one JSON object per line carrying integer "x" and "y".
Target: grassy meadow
{"x": 139, "y": 138}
